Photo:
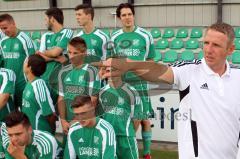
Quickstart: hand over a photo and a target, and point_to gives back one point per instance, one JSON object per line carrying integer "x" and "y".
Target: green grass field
{"x": 162, "y": 154}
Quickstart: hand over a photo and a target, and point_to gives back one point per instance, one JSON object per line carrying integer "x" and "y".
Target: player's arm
{"x": 69, "y": 151}
{"x": 3, "y": 99}
{"x": 54, "y": 52}
{"x": 148, "y": 70}
{"x": 61, "y": 105}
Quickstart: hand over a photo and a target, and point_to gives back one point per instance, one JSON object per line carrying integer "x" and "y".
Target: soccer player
{"x": 89, "y": 137}
{"x": 37, "y": 102}
{"x": 22, "y": 142}
{"x": 7, "y": 89}
{"x": 53, "y": 46}
{"x": 209, "y": 95}
{"x": 119, "y": 101}
{"x": 15, "y": 47}
{"x": 137, "y": 44}
{"x": 95, "y": 39}
{"x": 82, "y": 79}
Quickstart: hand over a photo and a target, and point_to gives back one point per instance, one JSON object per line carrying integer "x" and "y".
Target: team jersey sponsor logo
{"x": 91, "y": 52}
{"x": 129, "y": 52}
{"x": 11, "y": 55}
{"x": 74, "y": 89}
{"x": 117, "y": 111}
{"x": 89, "y": 151}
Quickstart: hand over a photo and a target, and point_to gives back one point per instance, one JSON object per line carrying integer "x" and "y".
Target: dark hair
{"x": 225, "y": 29}
{"x": 56, "y": 13}
{"x": 37, "y": 64}
{"x": 15, "y": 118}
{"x": 78, "y": 42}
{"x": 7, "y": 17}
{"x": 79, "y": 101}
{"x": 124, "y": 5}
{"x": 87, "y": 9}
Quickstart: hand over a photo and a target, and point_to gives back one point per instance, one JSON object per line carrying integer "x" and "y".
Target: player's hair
{"x": 124, "y": 5}
{"x": 56, "y": 13}
{"x": 15, "y": 118}
{"x": 78, "y": 43}
{"x": 6, "y": 17}
{"x": 79, "y": 101}
{"x": 87, "y": 9}
{"x": 37, "y": 63}
{"x": 225, "y": 29}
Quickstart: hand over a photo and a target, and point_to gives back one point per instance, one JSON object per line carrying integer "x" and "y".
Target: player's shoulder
{"x": 9, "y": 73}
{"x": 143, "y": 32}
{"x": 38, "y": 83}
{"x": 101, "y": 34}
{"x": 47, "y": 33}
{"x": 117, "y": 33}
{"x": 105, "y": 125}
{"x": 235, "y": 70}
{"x": 74, "y": 127}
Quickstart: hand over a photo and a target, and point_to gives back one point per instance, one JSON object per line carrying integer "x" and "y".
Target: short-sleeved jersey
{"x": 210, "y": 106}
{"x": 96, "y": 45}
{"x": 37, "y": 104}
{"x": 91, "y": 142}
{"x": 119, "y": 105}
{"x": 80, "y": 81}
{"x": 7, "y": 86}
{"x": 14, "y": 51}
{"x": 136, "y": 45}
{"x": 43, "y": 145}
{"x": 51, "y": 40}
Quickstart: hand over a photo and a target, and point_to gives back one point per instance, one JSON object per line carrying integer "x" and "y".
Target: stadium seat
{"x": 162, "y": 44}
{"x": 200, "y": 55}
{"x": 192, "y": 44}
{"x": 236, "y": 57}
{"x": 158, "y": 56}
{"x": 168, "y": 33}
{"x": 237, "y": 32}
{"x": 36, "y": 35}
{"x": 106, "y": 31}
{"x": 196, "y": 33}
{"x": 187, "y": 55}
{"x": 156, "y": 33}
{"x": 182, "y": 33}
{"x": 176, "y": 44}
{"x": 237, "y": 43}
{"x": 170, "y": 56}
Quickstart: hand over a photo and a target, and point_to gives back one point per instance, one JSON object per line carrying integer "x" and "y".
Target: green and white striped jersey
{"x": 43, "y": 145}
{"x": 7, "y": 86}
{"x": 13, "y": 51}
{"x": 119, "y": 105}
{"x": 80, "y": 81}
{"x": 37, "y": 104}
{"x": 96, "y": 45}
{"x": 1, "y": 35}
{"x": 50, "y": 40}
{"x": 136, "y": 45}
{"x": 91, "y": 142}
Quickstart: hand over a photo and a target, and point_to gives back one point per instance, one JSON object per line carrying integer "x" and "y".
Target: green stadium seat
{"x": 36, "y": 35}
{"x": 187, "y": 55}
{"x": 162, "y": 44}
{"x": 192, "y": 44}
{"x": 237, "y": 32}
{"x": 237, "y": 43}
{"x": 236, "y": 57}
{"x": 156, "y": 33}
{"x": 182, "y": 33}
{"x": 200, "y": 55}
{"x": 106, "y": 31}
{"x": 170, "y": 56}
{"x": 176, "y": 44}
{"x": 158, "y": 56}
{"x": 196, "y": 33}
{"x": 168, "y": 33}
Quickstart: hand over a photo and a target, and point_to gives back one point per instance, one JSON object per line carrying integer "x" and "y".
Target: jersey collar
{"x": 209, "y": 71}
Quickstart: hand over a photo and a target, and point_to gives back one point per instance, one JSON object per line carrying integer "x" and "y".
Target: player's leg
{"x": 127, "y": 148}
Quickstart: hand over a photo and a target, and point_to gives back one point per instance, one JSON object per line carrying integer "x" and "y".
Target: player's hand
{"x": 61, "y": 59}
{"x": 116, "y": 66}
{"x": 65, "y": 126}
{"x": 16, "y": 151}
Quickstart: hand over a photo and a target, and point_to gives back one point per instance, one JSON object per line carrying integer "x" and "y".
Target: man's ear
{"x": 231, "y": 48}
